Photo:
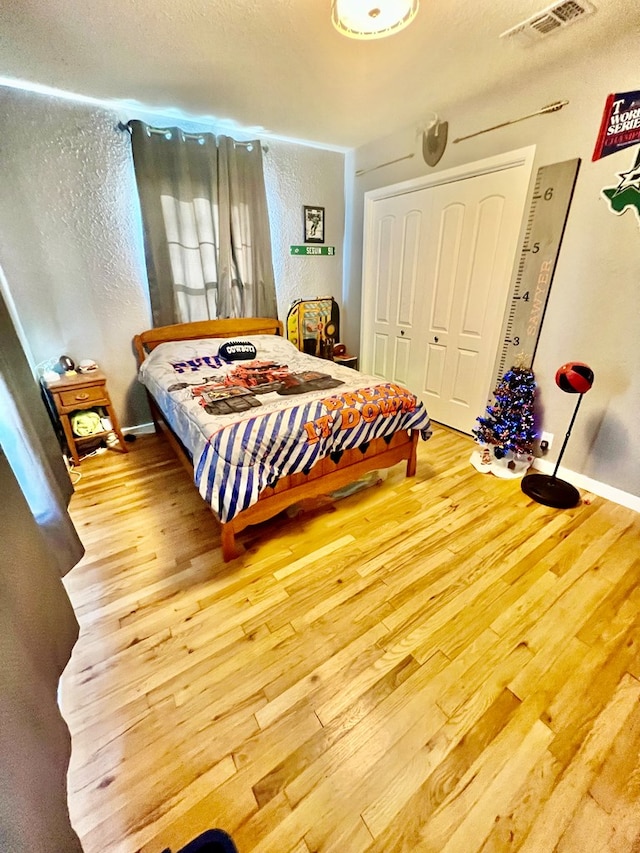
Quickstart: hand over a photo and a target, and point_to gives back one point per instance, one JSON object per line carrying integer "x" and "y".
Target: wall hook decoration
{"x": 434, "y": 141}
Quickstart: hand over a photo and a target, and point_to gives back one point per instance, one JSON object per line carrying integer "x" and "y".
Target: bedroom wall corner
{"x": 298, "y": 175}
{"x": 72, "y": 247}
{"x": 593, "y": 314}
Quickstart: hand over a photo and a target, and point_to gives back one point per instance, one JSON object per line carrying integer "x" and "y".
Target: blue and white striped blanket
{"x": 296, "y": 410}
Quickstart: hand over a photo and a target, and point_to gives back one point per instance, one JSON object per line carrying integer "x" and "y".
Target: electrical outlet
{"x": 547, "y": 439}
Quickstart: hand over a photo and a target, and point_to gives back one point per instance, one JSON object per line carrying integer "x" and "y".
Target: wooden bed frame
{"x": 326, "y": 476}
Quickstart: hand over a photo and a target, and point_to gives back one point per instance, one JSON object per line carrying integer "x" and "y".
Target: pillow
{"x": 237, "y": 351}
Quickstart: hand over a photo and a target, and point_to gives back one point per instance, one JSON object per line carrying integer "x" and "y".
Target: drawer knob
{"x": 84, "y": 396}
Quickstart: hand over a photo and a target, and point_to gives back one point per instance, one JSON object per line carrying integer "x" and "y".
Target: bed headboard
{"x": 230, "y": 328}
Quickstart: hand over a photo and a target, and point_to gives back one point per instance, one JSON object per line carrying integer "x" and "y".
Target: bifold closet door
{"x": 393, "y": 339}
{"x": 437, "y": 273}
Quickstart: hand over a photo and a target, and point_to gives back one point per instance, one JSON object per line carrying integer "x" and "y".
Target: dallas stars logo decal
{"x": 627, "y": 193}
{"x": 629, "y": 179}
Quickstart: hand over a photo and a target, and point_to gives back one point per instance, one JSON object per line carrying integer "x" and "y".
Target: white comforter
{"x": 247, "y": 423}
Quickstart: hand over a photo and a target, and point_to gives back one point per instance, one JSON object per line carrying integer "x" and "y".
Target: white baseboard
{"x": 578, "y": 480}
{"x": 139, "y": 429}
{"x": 589, "y": 485}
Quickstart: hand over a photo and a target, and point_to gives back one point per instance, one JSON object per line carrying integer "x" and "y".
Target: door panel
{"x": 469, "y": 274}
{"x": 462, "y": 382}
{"x": 409, "y": 260}
{"x": 380, "y": 347}
{"x": 478, "y": 291}
{"x": 493, "y": 210}
{"x": 446, "y": 266}
{"x": 383, "y": 284}
{"x": 397, "y": 270}
{"x": 434, "y": 370}
{"x": 402, "y": 360}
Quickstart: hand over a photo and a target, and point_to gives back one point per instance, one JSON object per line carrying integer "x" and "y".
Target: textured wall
{"x": 297, "y": 175}
{"x": 71, "y": 240}
{"x": 594, "y": 311}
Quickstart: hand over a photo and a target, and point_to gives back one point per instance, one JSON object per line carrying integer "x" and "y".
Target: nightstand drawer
{"x": 74, "y": 393}
{"x": 83, "y": 397}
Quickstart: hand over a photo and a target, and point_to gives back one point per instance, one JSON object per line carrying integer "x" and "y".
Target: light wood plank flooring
{"x": 433, "y": 664}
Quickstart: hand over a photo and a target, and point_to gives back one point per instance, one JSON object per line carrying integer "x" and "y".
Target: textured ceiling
{"x": 278, "y": 65}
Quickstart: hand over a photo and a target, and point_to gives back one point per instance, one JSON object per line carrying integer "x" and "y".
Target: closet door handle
{"x": 435, "y": 339}
{"x": 402, "y": 331}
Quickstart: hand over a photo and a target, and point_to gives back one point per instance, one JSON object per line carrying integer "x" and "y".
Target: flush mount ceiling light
{"x": 372, "y": 19}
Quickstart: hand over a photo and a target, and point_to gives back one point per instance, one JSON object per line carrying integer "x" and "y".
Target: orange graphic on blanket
{"x": 352, "y": 408}
{"x": 254, "y": 373}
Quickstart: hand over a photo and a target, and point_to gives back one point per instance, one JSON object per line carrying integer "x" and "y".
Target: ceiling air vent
{"x": 553, "y": 18}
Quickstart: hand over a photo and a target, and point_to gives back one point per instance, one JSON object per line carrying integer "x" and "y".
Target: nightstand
{"x": 84, "y": 391}
{"x": 347, "y": 360}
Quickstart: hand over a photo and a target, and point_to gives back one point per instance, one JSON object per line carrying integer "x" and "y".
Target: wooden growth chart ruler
{"x": 545, "y": 226}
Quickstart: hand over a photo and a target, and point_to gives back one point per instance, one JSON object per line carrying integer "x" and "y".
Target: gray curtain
{"x": 31, "y": 447}
{"x": 37, "y": 625}
{"x": 206, "y": 225}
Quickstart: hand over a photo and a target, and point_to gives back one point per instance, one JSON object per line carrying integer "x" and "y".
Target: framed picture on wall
{"x": 313, "y": 224}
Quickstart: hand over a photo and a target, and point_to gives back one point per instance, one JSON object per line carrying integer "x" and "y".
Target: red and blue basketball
{"x": 575, "y": 377}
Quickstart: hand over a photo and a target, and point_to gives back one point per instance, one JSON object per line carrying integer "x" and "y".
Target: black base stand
{"x": 547, "y": 489}
{"x": 550, "y": 491}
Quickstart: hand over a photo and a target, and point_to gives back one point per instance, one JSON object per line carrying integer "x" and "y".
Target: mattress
{"x": 269, "y": 412}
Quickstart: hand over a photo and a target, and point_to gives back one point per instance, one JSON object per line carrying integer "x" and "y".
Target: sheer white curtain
{"x": 206, "y": 225}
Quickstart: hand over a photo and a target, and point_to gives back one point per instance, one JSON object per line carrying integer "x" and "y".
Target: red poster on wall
{"x": 620, "y": 126}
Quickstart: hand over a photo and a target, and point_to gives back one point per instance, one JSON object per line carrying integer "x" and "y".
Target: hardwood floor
{"x": 433, "y": 664}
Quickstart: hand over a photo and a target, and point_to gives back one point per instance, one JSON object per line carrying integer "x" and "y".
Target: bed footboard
{"x": 325, "y": 477}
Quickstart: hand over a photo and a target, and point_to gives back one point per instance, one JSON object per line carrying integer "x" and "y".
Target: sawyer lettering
{"x": 542, "y": 286}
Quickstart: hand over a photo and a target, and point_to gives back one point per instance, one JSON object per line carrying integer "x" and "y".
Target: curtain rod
{"x": 164, "y": 131}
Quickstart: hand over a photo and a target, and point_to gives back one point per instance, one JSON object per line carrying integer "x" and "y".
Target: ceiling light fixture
{"x": 372, "y": 19}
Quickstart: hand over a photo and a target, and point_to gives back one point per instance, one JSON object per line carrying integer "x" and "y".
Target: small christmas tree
{"x": 509, "y": 422}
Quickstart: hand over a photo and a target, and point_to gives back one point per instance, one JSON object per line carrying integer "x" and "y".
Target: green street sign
{"x": 313, "y": 250}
